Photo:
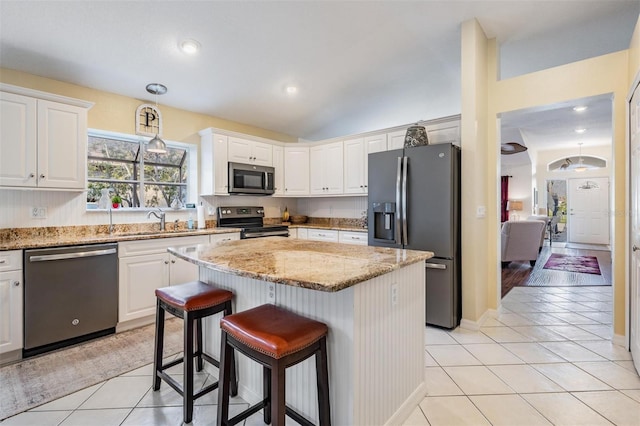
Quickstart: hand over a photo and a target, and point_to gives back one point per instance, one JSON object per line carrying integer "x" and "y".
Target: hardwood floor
{"x": 522, "y": 274}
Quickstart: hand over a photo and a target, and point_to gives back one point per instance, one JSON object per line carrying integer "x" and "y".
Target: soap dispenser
{"x": 105, "y": 199}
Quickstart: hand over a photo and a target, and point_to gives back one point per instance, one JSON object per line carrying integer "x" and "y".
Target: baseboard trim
{"x": 475, "y": 325}
{"x": 620, "y": 340}
{"x": 407, "y": 407}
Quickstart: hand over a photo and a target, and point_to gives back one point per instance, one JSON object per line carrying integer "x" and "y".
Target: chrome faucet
{"x": 111, "y": 225}
{"x": 160, "y": 215}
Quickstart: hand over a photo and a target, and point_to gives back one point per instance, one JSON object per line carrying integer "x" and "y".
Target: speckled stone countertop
{"x": 55, "y": 236}
{"x": 300, "y": 263}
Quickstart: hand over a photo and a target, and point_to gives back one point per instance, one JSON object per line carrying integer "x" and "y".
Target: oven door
{"x": 250, "y": 179}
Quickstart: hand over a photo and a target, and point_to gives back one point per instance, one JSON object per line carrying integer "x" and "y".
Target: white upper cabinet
{"x": 395, "y": 140}
{"x": 356, "y": 160}
{"x": 43, "y": 143}
{"x": 445, "y": 131}
{"x": 250, "y": 152}
{"x": 278, "y": 165}
{"x": 214, "y": 176}
{"x": 296, "y": 170}
{"x": 326, "y": 169}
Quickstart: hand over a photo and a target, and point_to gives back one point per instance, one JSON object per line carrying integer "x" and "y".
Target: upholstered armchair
{"x": 521, "y": 240}
{"x": 546, "y": 220}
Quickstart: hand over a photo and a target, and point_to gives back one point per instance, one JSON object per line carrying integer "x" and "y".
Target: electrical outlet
{"x": 271, "y": 293}
{"x": 38, "y": 212}
{"x": 394, "y": 294}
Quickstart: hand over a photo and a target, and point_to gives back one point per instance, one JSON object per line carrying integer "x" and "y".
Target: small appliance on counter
{"x": 250, "y": 220}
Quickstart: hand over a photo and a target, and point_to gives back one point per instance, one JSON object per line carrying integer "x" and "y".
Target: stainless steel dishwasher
{"x": 70, "y": 295}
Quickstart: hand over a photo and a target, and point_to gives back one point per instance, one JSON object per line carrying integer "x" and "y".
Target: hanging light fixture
{"x": 156, "y": 144}
{"x": 581, "y": 167}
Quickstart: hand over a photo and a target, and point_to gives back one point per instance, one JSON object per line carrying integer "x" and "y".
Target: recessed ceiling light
{"x": 580, "y": 130}
{"x": 190, "y": 47}
{"x": 580, "y": 108}
{"x": 291, "y": 90}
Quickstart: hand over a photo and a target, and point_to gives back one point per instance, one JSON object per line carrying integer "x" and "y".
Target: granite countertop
{"x": 300, "y": 263}
{"x": 25, "y": 238}
{"x": 329, "y": 226}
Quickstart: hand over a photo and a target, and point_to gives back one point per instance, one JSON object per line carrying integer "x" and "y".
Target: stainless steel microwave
{"x": 251, "y": 179}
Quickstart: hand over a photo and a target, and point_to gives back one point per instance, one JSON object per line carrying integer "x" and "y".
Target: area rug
{"x": 38, "y": 380}
{"x": 569, "y": 263}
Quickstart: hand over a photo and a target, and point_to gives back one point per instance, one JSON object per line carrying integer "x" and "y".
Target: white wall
{"x": 344, "y": 207}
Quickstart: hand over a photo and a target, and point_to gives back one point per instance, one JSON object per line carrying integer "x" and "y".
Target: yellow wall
{"x": 590, "y": 77}
{"x": 116, "y": 113}
{"x": 474, "y": 162}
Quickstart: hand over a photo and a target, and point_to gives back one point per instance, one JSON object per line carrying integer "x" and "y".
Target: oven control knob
{"x": 76, "y": 321}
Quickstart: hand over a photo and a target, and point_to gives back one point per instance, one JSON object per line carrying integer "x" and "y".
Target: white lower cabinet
{"x": 146, "y": 265}
{"x": 353, "y": 237}
{"x": 322, "y": 235}
{"x": 11, "y": 290}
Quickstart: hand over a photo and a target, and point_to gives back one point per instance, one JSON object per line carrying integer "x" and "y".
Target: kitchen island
{"x": 372, "y": 299}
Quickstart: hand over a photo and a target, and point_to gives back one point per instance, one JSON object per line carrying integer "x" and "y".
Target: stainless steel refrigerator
{"x": 414, "y": 203}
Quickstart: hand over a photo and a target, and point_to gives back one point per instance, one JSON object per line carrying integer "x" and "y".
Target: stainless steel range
{"x": 250, "y": 220}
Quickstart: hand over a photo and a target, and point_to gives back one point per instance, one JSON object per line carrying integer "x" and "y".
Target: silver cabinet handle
{"x": 173, "y": 261}
{"x": 41, "y": 176}
{"x": 166, "y": 262}
{"x": 74, "y": 255}
{"x": 635, "y": 248}
{"x": 3, "y": 261}
{"x": 16, "y": 283}
{"x": 32, "y": 175}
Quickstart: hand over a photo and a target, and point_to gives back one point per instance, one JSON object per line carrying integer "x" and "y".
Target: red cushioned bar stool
{"x": 191, "y": 301}
{"x": 277, "y": 339}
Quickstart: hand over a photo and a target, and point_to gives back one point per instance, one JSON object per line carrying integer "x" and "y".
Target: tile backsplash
{"x": 69, "y": 208}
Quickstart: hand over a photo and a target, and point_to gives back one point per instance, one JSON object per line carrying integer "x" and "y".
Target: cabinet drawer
{"x": 214, "y": 238}
{"x": 322, "y": 235}
{"x": 353, "y": 237}
{"x": 11, "y": 260}
{"x": 141, "y": 247}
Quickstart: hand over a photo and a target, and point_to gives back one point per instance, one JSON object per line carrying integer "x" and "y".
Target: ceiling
{"x": 358, "y": 65}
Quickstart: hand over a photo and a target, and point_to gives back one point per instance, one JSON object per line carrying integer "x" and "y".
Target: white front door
{"x": 634, "y": 285}
{"x": 588, "y": 206}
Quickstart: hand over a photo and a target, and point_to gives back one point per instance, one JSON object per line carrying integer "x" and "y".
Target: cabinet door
{"x": 296, "y": 171}
{"x": 316, "y": 170}
{"x": 139, "y": 276}
{"x": 220, "y": 164}
{"x": 62, "y": 146}
{"x": 354, "y": 175}
{"x": 181, "y": 271}
{"x": 395, "y": 140}
{"x": 214, "y": 176}
{"x": 303, "y": 233}
{"x": 322, "y": 235}
{"x": 353, "y": 237}
{"x": 17, "y": 140}
{"x": 372, "y": 144}
{"x": 10, "y": 311}
{"x": 278, "y": 165}
{"x": 333, "y": 168}
{"x": 239, "y": 150}
{"x": 262, "y": 154}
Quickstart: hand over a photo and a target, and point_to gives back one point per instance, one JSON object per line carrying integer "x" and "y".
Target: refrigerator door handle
{"x": 405, "y": 233}
{"x": 398, "y": 235}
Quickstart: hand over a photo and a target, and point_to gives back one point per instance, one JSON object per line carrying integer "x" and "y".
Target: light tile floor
{"x": 546, "y": 359}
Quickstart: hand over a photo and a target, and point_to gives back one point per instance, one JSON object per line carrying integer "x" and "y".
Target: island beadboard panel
{"x": 370, "y": 372}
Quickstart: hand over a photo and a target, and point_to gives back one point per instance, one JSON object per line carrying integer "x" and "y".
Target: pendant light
{"x": 581, "y": 167}
{"x": 156, "y": 144}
